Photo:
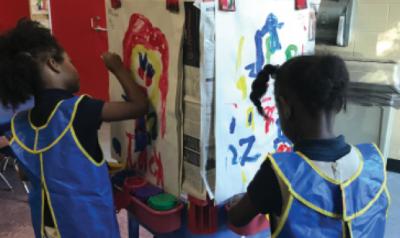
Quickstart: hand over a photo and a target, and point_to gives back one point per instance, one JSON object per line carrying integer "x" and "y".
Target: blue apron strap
{"x": 306, "y": 184}
{"x": 36, "y": 140}
{"x": 363, "y": 192}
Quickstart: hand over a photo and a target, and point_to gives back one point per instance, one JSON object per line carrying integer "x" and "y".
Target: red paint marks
{"x": 141, "y": 73}
{"x": 116, "y": 4}
{"x": 269, "y": 112}
{"x": 265, "y": 100}
{"x": 164, "y": 92}
{"x": 173, "y": 5}
{"x": 301, "y": 4}
{"x": 142, "y": 161}
{"x": 129, "y": 150}
{"x": 142, "y": 32}
{"x": 284, "y": 148}
{"x": 156, "y": 168}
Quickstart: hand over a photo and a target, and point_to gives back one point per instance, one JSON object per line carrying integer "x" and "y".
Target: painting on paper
{"x": 148, "y": 37}
{"x": 264, "y": 32}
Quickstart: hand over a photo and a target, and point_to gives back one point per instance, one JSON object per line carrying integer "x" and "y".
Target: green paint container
{"x": 162, "y": 202}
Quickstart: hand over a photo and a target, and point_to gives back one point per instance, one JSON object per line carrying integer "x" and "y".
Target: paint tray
{"x": 258, "y": 224}
{"x": 158, "y": 222}
{"x": 147, "y": 191}
{"x": 133, "y": 183}
{"x": 121, "y": 199}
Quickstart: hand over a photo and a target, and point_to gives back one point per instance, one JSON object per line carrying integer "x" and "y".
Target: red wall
{"x": 11, "y": 11}
{"x": 71, "y": 26}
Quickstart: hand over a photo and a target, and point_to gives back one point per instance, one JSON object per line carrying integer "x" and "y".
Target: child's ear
{"x": 53, "y": 65}
{"x": 285, "y": 108}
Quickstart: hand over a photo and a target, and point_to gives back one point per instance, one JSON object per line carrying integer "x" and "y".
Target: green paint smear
{"x": 291, "y": 51}
{"x": 268, "y": 54}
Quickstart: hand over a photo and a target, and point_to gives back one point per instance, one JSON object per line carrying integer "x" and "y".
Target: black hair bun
{"x": 324, "y": 83}
{"x": 17, "y": 83}
{"x": 21, "y": 51}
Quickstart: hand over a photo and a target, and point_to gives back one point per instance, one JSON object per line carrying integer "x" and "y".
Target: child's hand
{"x": 235, "y": 200}
{"x": 3, "y": 142}
{"x": 112, "y": 61}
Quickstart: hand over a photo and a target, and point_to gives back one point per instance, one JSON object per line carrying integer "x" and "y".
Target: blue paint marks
{"x": 140, "y": 135}
{"x": 247, "y": 158}
{"x": 143, "y": 61}
{"x": 117, "y": 146}
{"x": 150, "y": 72}
{"x": 146, "y": 131}
{"x": 271, "y": 27}
{"x": 250, "y": 118}
{"x": 234, "y": 154}
{"x": 252, "y": 70}
{"x": 232, "y": 127}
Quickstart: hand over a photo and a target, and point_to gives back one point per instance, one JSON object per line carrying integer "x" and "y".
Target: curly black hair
{"x": 319, "y": 82}
{"x": 22, "y": 50}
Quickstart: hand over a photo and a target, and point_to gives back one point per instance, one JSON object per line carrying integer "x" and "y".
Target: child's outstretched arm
{"x": 137, "y": 103}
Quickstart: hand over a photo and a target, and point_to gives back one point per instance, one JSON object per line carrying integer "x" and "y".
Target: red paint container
{"x": 133, "y": 183}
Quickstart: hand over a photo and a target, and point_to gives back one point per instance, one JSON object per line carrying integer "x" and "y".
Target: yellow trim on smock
{"x": 343, "y": 185}
{"x": 67, "y": 128}
{"x": 350, "y": 229}
{"x": 343, "y": 229}
{"x": 344, "y": 206}
{"x": 380, "y": 191}
{"x": 35, "y": 143}
{"x": 389, "y": 199}
{"x": 48, "y": 119}
{"x": 359, "y": 169}
{"x": 331, "y": 180}
{"x": 298, "y": 196}
{"x": 84, "y": 152}
{"x": 284, "y": 218}
{"x": 46, "y": 191}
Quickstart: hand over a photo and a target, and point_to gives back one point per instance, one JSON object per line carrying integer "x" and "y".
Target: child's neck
{"x": 317, "y": 128}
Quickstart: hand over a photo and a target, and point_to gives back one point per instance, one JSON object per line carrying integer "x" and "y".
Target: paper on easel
{"x": 149, "y": 38}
